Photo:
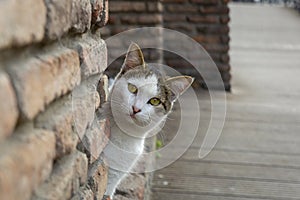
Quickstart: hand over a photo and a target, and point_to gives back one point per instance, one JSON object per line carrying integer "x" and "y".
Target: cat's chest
{"x": 126, "y": 142}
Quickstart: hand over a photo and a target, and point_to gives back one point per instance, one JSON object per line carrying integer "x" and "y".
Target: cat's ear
{"x": 134, "y": 58}
{"x": 178, "y": 85}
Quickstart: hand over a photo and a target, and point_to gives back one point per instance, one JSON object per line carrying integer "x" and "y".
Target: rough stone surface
{"x": 85, "y": 193}
{"x": 92, "y": 54}
{"x": 58, "y": 18}
{"x": 62, "y": 16}
{"x": 84, "y": 103}
{"x": 96, "y": 138}
{"x": 81, "y": 15}
{"x": 68, "y": 175}
{"x": 102, "y": 89}
{"x": 99, "y": 13}
{"x": 59, "y": 118}
{"x": 19, "y": 175}
{"x": 132, "y": 187}
{"x": 21, "y": 22}
{"x": 70, "y": 116}
{"x": 97, "y": 178}
{"x": 40, "y": 79}
{"x": 9, "y": 110}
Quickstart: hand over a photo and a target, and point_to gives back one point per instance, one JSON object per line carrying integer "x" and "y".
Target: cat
{"x": 138, "y": 105}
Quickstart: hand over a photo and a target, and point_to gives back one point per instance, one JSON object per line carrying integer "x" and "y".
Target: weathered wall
{"x": 51, "y": 51}
{"x": 206, "y": 21}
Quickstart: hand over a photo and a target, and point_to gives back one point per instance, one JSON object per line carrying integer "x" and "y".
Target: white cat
{"x": 139, "y": 103}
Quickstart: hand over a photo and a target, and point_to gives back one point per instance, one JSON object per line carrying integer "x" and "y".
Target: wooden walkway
{"x": 258, "y": 153}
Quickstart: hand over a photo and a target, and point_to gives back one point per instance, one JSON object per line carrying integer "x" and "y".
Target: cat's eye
{"x": 154, "y": 101}
{"x": 132, "y": 88}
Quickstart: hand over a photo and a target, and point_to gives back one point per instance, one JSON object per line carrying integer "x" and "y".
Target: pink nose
{"x": 135, "y": 110}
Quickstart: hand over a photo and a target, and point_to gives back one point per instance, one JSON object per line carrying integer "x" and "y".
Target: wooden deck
{"x": 258, "y": 153}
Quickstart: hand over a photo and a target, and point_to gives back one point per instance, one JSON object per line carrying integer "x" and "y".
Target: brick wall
{"x": 206, "y": 21}
{"x": 50, "y": 50}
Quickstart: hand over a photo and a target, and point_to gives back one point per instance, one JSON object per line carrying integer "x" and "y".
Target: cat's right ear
{"x": 178, "y": 85}
{"x": 134, "y": 58}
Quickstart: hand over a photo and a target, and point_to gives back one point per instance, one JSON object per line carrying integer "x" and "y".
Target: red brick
{"x": 127, "y": 6}
{"x": 181, "y": 9}
{"x": 205, "y": 2}
{"x": 224, "y": 19}
{"x": 174, "y": 1}
{"x": 211, "y": 39}
{"x": 178, "y": 63}
{"x": 214, "y": 10}
{"x": 151, "y": 19}
{"x": 216, "y": 48}
{"x": 40, "y": 79}
{"x": 9, "y": 110}
{"x": 154, "y": 7}
{"x": 223, "y": 67}
{"x": 225, "y": 58}
{"x": 225, "y": 39}
{"x": 113, "y": 19}
{"x": 203, "y": 19}
{"x": 226, "y": 77}
{"x": 25, "y": 161}
{"x": 68, "y": 175}
{"x": 145, "y": 19}
{"x": 19, "y": 26}
{"x": 180, "y": 27}
{"x": 174, "y": 18}
{"x": 216, "y": 29}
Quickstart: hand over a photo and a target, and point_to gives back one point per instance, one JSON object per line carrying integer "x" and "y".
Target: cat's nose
{"x": 135, "y": 110}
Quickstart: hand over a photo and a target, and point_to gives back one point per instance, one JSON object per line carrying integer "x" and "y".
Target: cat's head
{"x": 141, "y": 94}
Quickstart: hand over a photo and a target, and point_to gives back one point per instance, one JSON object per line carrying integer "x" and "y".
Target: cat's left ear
{"x": 178, "y": 85}
{"x": 134, "y": 58}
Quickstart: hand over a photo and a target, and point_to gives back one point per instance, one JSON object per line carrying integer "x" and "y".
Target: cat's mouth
{"x": 132, "y": 116}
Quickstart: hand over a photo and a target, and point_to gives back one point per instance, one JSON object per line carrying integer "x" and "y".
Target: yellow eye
{"x": 154, "y": 101}
{"x": 132, "y": 88}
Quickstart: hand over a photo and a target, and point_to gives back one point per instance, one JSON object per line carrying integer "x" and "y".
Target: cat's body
{"x": 139, "y": 103}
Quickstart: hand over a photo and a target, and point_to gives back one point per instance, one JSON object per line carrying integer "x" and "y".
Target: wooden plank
{"x": 202, "y": 169}
{"x": 228, "y": 187}
{"x": 245, "y": 158}
{"x": 180, "y": 196}
{"x": 259, "y": 138}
